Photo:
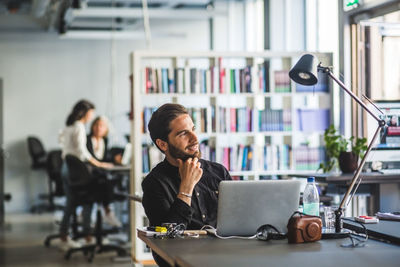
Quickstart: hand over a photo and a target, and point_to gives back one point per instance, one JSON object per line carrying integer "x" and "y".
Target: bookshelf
{"x": 249, "y": 115}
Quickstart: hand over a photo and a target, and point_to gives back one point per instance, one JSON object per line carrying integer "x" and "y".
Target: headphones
{"x": 269, "y": 232}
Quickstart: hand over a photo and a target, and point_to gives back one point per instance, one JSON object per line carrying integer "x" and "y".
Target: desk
{"x": 385, "y": 188}
{"x": 387, "y": 230}
{"x": 210, "y": 251}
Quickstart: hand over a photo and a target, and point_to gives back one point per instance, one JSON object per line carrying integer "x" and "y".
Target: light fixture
{"x": 305, "y": 72}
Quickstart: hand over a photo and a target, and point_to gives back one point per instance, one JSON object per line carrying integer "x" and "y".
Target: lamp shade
{"x": 305, "y": 71}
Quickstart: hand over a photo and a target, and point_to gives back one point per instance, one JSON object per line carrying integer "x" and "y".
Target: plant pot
{"x": 348, "y": 162}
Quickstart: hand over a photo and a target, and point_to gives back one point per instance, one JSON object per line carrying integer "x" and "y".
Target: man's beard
{"x": 178, "y": 153}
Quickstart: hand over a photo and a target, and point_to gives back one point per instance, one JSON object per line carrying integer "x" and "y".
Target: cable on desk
{"x": 227, "y": 237}
{"x": 356, "y": 237}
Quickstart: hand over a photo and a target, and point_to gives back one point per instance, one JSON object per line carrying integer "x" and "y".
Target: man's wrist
{"x": 185, "y": 194}
{"x": 188, "y": 189}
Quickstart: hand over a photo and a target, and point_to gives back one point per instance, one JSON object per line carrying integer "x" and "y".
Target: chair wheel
{"x": 122, "y": 253}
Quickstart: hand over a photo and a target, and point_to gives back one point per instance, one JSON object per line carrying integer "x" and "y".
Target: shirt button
{"x": 197, "y": 194}
{"x": 204, "y": 216}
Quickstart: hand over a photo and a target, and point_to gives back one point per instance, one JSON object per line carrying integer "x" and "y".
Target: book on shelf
{"x": 275, "y": 120}
{"x": 308, "y": 158}
{"x": 274, "y": 157}
{"x": 240, "y": 177}
{"x": 239, "y": 158}
{"x": 198, "y": 80}
{"x": 199, "y": 117}
{"x": 263, "y": 77}
{"x": 207, "y": 151}
{"x": 146, "y": 116}
{"x": 235, "y": 119}
{"x": 269, "y": 157}
{"x": 312, "y": 120}
{"x": 282, "y": 81}
{"x": 151, "y": 156}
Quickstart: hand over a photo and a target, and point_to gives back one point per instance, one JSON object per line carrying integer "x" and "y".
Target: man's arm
{"x": 162, "y": 206}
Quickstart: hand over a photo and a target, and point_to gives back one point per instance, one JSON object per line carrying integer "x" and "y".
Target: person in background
{"x": 97, "y": 142}
{"x": 73, "y": 142}
{"x": 183, "y": 188}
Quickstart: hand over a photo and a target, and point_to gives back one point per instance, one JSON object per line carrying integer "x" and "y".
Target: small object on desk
{"x": 159, "y": 229}
{"x": 366, "y": 219}
{"x": 394, "y": 216}
{"x": 195, "y": 232}
{"x": 149, "y": 232}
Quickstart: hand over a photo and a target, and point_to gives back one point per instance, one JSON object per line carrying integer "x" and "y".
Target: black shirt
{"x": 161, "y": 187}
{"x": 107, "y": 155}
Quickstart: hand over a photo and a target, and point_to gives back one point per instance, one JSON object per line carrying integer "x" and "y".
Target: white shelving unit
{"x": 256, "y": 100}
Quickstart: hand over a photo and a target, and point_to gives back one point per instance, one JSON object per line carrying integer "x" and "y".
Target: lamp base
{"x": 331, "y": 234}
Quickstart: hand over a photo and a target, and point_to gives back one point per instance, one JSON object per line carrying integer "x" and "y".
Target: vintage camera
{"x": 304, "y": 228}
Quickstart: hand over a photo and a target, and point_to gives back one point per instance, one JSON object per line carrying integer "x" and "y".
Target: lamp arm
{"x": 381, "y": 124}
{"x": 358, "y": 100}
{"x": 360, "y": 166}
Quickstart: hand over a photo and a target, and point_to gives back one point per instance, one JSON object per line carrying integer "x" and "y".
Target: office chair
{"x": 39, "y": 161}
{"x": 37, "y": 153}
{"x": 53, "y": 168}
{"x": 78, "y": 180}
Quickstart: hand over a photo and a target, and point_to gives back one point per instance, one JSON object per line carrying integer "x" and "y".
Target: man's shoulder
{"x": 154, "y": 175}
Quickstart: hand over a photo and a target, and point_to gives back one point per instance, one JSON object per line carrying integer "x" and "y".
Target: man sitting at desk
{"x": 183, "y": 188}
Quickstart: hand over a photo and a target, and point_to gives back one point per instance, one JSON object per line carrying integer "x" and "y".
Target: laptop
{"x": 243, "y": 206}
{"x": 126, "y": 156}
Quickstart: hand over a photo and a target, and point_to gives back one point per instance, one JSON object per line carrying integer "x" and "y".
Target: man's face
{"x": 182, "y": 140}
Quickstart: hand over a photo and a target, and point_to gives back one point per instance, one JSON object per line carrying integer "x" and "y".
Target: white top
{"x": 98, "y": 147}
{"x": 73, "y": 141}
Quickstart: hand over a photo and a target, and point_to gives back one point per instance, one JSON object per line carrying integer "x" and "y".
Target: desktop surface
{"x": 384, "y": 229}
{"x": 211, "y": 251}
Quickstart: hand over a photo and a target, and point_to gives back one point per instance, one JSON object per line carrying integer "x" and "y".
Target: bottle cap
{"x": 310, "y": 179}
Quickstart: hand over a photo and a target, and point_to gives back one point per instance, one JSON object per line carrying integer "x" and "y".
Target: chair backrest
{"x": 53, "y": 167}
{"x": 78, "y": 173}
{"x": 36, "y": 150}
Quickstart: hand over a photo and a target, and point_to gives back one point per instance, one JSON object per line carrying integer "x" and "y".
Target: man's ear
{"x": 162, "y": 145}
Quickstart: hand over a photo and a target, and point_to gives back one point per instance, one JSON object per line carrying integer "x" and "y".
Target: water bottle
{"x": 311, "y": 198}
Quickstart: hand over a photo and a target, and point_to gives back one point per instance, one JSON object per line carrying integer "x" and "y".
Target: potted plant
{"x": 338, "y": 152}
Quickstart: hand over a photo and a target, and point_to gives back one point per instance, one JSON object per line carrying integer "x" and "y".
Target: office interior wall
{"x": 43, "y": 77}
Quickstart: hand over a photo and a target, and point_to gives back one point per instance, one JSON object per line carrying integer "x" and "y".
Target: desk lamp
{"x": 305, "y": 72}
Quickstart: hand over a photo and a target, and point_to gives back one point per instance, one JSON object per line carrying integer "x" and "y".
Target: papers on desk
{"x": 395, "y": 216}
{"x": 149, "y": 233}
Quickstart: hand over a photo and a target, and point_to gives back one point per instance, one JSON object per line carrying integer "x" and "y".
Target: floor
{"x": 21, "y": 244}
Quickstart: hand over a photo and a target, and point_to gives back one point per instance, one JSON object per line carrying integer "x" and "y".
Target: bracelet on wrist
{"x": 185, "y": 194}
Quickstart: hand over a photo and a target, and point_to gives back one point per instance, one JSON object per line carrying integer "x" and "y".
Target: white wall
{"x": 44, "y": 76}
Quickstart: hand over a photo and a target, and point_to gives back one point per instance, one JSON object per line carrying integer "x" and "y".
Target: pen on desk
{"x": 157, "y": 229}
{"x": 198, "y": 232}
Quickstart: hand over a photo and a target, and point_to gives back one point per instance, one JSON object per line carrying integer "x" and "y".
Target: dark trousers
{"x": 70, "y": 208}
{"x": 100, "y": 188}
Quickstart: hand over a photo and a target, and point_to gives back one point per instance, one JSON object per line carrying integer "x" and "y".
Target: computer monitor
{"x": 387, "y": 147}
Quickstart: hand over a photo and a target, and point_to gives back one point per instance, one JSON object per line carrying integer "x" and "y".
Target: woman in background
{"x": 97, "y": 142}
{"x": 73, "y": 142}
